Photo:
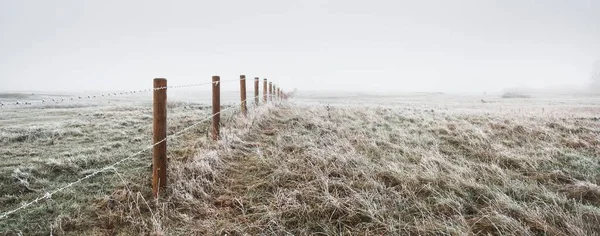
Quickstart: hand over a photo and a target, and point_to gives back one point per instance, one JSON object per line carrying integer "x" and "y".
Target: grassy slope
{"x": 305, "y": 170}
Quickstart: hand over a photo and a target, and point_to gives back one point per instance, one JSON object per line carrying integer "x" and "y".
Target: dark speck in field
{"x": 309, "y": 126}
{"x": 21, "y": 138}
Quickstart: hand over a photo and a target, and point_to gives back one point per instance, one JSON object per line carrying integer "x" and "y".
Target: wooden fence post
{"x": 265, "y": 90}
{"x": 256, "y": 96}
{"x": 270, "y": 91}
{"x": 243, "y": 94}
{"x": 159, "y": 151}
{"x": 216, "y": 106}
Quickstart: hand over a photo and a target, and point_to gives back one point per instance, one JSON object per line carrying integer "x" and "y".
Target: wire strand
{"x": 97, "y": 96}
{"x": 48, "y": 195}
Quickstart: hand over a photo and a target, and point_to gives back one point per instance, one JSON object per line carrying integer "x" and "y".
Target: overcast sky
{"x": 395, "y": 45}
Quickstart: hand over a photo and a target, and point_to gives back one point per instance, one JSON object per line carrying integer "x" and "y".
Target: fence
{"x": 160, "y": 138}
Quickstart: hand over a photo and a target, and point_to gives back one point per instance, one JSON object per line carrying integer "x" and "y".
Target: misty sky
{"x": 395, "y": 45}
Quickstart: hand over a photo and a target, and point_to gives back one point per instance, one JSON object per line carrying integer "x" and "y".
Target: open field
{"x": 45, "y": 146}
{"x": 419, "y": 164}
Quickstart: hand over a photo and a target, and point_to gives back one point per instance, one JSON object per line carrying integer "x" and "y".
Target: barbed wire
{"x": 48, "y": 195}
{"x": 70, "y": 98}
{"x": 27, "y": 103}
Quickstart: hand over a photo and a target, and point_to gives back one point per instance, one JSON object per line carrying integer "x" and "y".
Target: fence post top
{"x": 216, "y": 77}
{"x": 155, "y": 79}
{"x": 256, "y": 78}
{"x": 243, "y": 76}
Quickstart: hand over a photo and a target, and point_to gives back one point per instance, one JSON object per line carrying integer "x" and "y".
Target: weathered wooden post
{"x": 243, "y": 94}
{"x": 270, "y": 91}
{"x": 216, "y": 106}
{"x": 256, "y": 90}
{"x": 159, "y": 151}
{"x": 265, "y": 90}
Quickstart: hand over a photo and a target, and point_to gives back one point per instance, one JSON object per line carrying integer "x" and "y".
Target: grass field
{"x": 418, "y": 164}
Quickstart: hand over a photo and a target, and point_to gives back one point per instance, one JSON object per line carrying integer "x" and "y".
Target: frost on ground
{"x": 302, "y": 168}
{"x": 45, "y": 147}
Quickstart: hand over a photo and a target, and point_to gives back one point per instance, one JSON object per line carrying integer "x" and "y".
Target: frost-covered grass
{"x": 418, "y": 165}
{"x": 47, "y": 146}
